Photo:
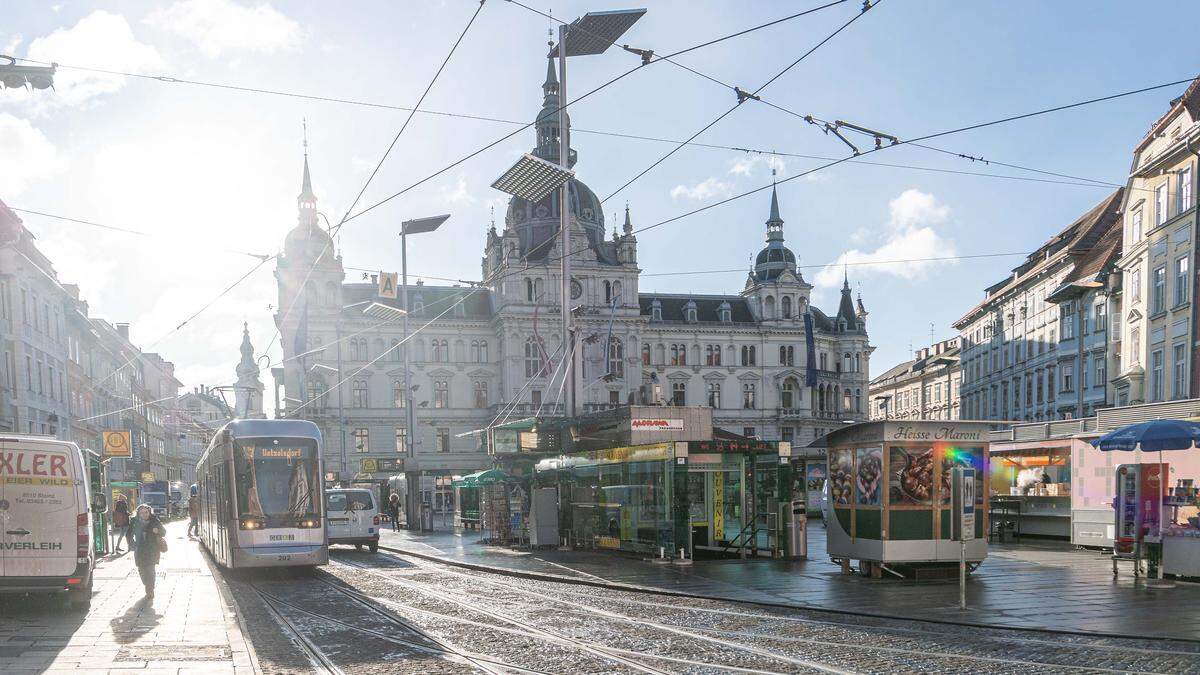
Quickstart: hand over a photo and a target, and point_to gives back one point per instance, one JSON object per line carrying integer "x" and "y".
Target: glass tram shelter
{"x": 889, "y": 494}
{"x": 709, "y": 498}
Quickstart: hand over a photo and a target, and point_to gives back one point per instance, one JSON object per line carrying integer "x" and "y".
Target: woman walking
{"x": 149, "y": 542}
{"x": 393, "y": 508}
{"x": 120, "y": 524}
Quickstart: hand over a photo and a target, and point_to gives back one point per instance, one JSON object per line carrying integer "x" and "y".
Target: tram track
{"x": 920, "y": 654}
{"x": 320, "y": 661}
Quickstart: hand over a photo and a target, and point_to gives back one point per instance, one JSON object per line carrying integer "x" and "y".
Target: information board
{"x": 962, "y": 504}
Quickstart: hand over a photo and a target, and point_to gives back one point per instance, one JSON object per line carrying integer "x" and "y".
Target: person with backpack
{"x": 120, "y": 524}
{"x": 393, "y": 510}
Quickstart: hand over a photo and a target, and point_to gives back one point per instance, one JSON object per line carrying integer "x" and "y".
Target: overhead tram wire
{"x": 742, "y": 97}
{"x": 123, "y": 230}
{"x": 333, "y": 231}
{"x": 656, "y": 59}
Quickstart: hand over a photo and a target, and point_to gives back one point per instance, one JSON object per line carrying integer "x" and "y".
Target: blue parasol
{"x": 1152, "y": 436}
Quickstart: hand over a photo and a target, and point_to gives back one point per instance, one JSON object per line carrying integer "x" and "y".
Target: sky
{"x": 211, "y": 174}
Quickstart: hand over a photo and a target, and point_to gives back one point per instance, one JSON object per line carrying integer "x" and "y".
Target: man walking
{"x": 194, "y": 514}
{"x": 120, "y": 524}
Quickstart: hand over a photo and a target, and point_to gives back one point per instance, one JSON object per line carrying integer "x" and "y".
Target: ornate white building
{"x": 495, "y": 350}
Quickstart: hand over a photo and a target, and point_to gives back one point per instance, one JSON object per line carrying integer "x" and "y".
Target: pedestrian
{"x": 394, "y": 511}
{"x": 194, "y": 515}
{"x": 120, "y": 524}
{"x": 149, "y": 537}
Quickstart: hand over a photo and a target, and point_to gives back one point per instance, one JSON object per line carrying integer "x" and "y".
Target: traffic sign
{"x": 963, "y": 504}
{"x": 370, "y": 466}
{"x": 147, "y": 476}
{"x": 116, "y": 444}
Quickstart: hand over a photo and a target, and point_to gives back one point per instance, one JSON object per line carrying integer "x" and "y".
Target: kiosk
{"x": 889, "y": 495}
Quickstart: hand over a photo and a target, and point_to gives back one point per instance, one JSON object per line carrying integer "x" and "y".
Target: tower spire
{"x": 774, "y": 221}
{"x": 628, "y": 222}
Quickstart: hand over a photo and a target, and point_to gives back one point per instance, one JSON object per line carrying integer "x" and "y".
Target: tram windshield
{"x": 277, "y": 480}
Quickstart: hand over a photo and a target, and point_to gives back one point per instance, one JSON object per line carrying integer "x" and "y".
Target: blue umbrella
{"x": 1152, "y": 436}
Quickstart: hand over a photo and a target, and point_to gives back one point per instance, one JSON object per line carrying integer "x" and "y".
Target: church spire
{"x": 628, "y": 222}
{"x": 306, "y": 201}
{"x": 248, "y": 390}
{"x": 774, "y": 222}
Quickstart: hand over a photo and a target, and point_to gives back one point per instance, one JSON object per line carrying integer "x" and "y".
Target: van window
{"x": 349, "y": 500}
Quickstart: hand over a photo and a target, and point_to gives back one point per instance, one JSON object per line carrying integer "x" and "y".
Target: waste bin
{"x": 426, "y": 517}
{"x": 797, "y": 528}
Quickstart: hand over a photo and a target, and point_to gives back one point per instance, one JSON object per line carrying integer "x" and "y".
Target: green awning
{"x": 488, "y": 477}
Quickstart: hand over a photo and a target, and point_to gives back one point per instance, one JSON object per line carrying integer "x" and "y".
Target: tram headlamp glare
{"x": 249, "y": 524}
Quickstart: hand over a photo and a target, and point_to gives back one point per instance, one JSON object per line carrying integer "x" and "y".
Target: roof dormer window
{"x": 656, "y": 310}
{"x": 689, "y": 311}
{"x": 725, "y": 313}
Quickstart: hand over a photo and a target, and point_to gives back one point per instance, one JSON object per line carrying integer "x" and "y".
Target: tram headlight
{"x": 250, "y": 524}
{"x": 309, "y": 522}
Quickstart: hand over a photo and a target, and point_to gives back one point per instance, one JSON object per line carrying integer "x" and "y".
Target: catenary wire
{"x": 333, "y": 231}
{"x": 742, "y": 98}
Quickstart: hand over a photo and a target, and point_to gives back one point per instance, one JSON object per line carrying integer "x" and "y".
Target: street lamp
{"x": 411, "y": 470}
{"x": 16, "y": 77}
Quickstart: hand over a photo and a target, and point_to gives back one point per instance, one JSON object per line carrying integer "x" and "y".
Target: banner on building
{"x": 387, "y": 285}
{"x": 116, "y": 444}
{"x": 810, "y": 348}
{"x": 656, "y": 425}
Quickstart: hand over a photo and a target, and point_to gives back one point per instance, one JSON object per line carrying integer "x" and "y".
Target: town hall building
{"x": 492, "y": 352}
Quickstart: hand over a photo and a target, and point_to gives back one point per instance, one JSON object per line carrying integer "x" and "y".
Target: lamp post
{"x": 411, "y": 469}
{"x": 592, "y": 33}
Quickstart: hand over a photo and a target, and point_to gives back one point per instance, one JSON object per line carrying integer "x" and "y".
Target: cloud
{"x": 98, "y": 38}
{"x": 28, "y": 156}
{"x": 458, "y": 193}
{"x": 706, "y": 189}
{"x": 10, "y": 47}
{"x": 910, "y": 237}
{"x": 746, "y": 165}
{"x": 219, "y": 26}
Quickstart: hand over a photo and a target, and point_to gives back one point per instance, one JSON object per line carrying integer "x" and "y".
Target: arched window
{"x": 396, "y": 352}
{"x": 689, "y": 312}
{"x": 616, "y": 290}
{"x": 833, "y": 401}
{"x": 528, "y": 290}
{"x": 675, "y": 355}
{"x": 539, "y": 293}
{"x": 436, "y": 347}
{"x": 616, "y": 357}
{"x": 846, "y": 363}
{"x": 361, "y": 396}
{"x": 858, "y": 361}
{"x": 475, "y": 351}
{"x": 483, "y": 351}
{"x": 645, "y": 354}
{"x": 481, "y": 394}
{"x": 821, "y": 398}
{"x": 787, "y": 393}
{"x": 418, "y": 306}
{"x": 441, "y": 394}
{"x": 398, "y": 393}
{"x": 533, "y": 358}
{"x": 708, "y": 355}
{"x": 445, "y": 351}
{"x": 847, "y": 400}
{"x": 785, "y": 305}
{"x": 331, "y": 294}
{"x": 607, "y": 292}
{"x": 858, "y": 400}
{"x": 769, "y": 307}
{"x": 352, "y": 348}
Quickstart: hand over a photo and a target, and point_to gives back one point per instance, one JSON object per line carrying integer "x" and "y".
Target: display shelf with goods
{"x": 1039, "y": 478}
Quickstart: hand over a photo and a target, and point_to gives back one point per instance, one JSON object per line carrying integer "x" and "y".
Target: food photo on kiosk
{"x": 1157, "y": 519}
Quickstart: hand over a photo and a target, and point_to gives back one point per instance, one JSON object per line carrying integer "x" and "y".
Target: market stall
{"x": 1033, "y": 488}
{"x": 1156, "y": 515}
{"x": 889, "y": 494}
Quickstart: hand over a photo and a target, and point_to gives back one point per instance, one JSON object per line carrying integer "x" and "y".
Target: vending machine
{"x": 1138, "y": 503}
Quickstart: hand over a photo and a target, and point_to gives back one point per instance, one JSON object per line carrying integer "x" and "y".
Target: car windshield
{"x": 276, "y": 479}
{"x": 348, "y": 500}
{"x": 155, "y": 498}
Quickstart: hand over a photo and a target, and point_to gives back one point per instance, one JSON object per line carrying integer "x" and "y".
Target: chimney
{"x": 123, "y": 330}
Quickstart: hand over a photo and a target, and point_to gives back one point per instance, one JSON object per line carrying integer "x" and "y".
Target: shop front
{"x": 704, "y": 497}
{"x": 1031, "y": 488}
{"x": 889, "y": 497}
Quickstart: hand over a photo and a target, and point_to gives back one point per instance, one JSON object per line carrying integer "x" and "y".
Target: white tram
{"x": 261, "y": 495}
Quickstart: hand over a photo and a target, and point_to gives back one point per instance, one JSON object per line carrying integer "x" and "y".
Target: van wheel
{"x": 358, "y": 547}
{"x": 373, "y": 547}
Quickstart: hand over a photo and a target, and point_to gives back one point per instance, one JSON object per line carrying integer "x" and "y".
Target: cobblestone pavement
{"x": 393, "y": 613}
{"x": 1032, "y": 585}
{"x": 188, "y": 627}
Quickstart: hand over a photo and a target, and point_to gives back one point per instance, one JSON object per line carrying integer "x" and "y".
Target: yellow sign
{"x": 387, "y": 285}
{"x": 116, "y": 444}
{"x": 147, "y": 476}
{"x": 718, "y": 508}
{"x": 370, "y": 466}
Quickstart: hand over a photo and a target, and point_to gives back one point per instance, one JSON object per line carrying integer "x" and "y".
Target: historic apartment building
{"x": 494, "y": 351}
{"x": 1012, "y": 364}
{"x": 66, "y": 374}
{"x": 1153, "y": 361}
{"x": 923, "y": 388}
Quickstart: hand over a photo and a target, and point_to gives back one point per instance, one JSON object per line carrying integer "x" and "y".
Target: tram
{"x": 261, "y": 497}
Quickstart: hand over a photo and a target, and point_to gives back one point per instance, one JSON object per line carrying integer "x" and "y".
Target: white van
{"x": 352, "y": 515}
{"x": 45, "y": 519}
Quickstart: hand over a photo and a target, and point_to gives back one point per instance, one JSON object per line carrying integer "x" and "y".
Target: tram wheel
{"x": 358, "y": 547}
{"x": 373, "y": 547}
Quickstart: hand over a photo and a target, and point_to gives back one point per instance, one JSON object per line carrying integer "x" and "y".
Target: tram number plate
{"x": 338, "y": 521}
{"x": 283, "y": 558}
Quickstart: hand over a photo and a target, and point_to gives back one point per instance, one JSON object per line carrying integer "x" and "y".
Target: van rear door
{"x": 38, "y": 507}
